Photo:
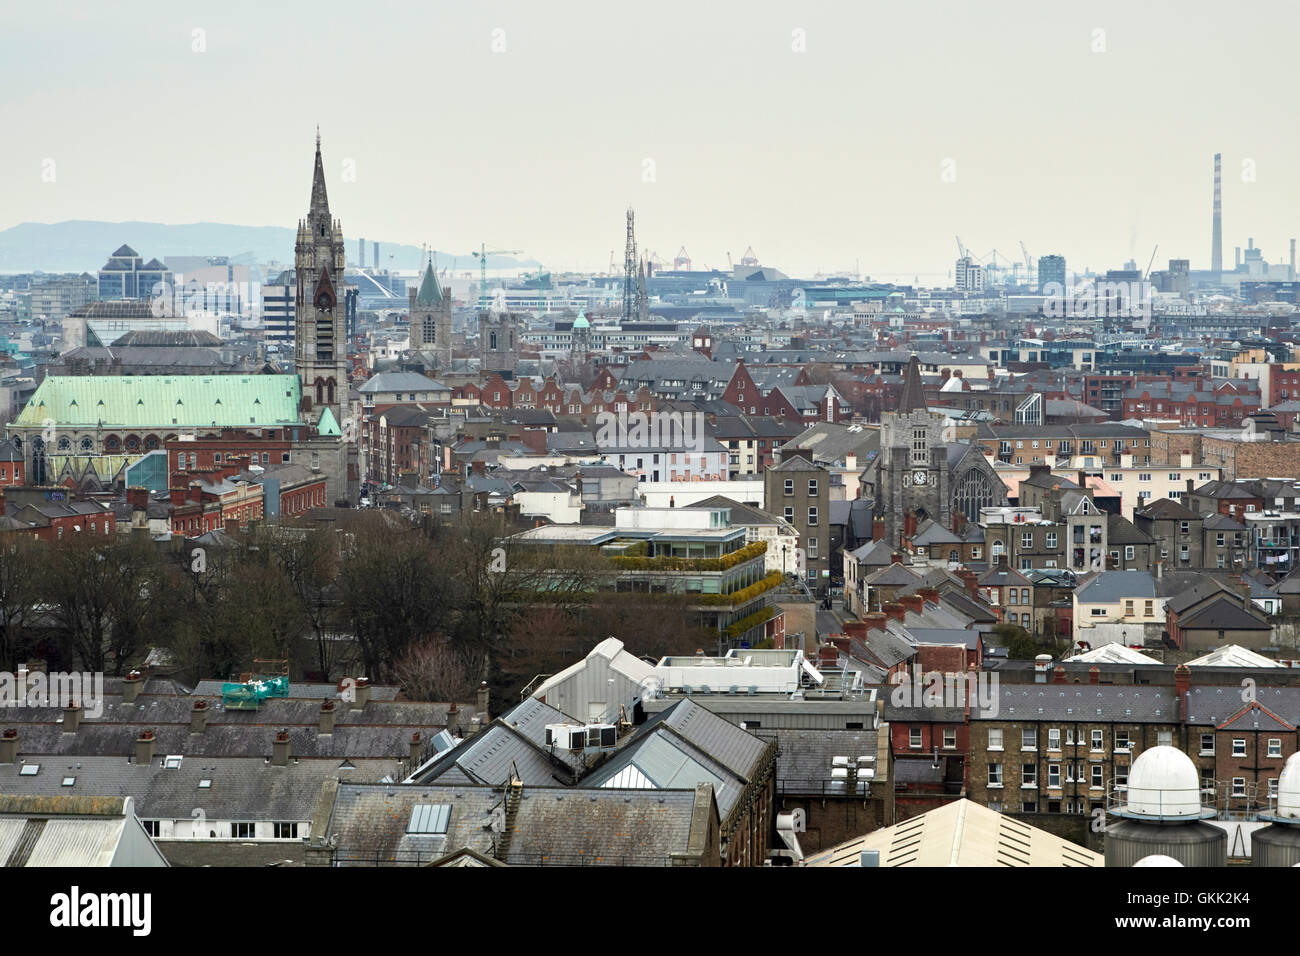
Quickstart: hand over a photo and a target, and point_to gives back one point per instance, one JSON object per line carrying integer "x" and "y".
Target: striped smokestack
{"x": 1216, "y": 243}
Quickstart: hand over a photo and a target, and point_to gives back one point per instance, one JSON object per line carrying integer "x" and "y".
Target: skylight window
{"x": 205, "y": 784}
{"x": 429, "y": 818}
{"x": 173, "y": 762}
{"x": 30, "y": 770}
{"x": 69, "y": 781}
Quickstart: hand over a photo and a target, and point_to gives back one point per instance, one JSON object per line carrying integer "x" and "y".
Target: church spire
{"x": 320, "y": 203}
{"x": 913, "y": 395}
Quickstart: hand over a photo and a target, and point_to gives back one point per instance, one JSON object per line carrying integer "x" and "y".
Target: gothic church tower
{"x": 320, "y": 311}
{"x": 431, "y": 318}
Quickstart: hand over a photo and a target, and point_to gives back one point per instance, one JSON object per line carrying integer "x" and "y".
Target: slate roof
{"x": 1142, "y": 703}
{"x": 1111, "y": 587}
{"x": 1225, "y": 613}
{"x": 804, "y": 756}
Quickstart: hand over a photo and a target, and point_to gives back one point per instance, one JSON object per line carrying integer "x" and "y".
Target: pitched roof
{"x": 962, "y": 833}
{"x": 430, "y": 292}
{"x": 912, "y": 397}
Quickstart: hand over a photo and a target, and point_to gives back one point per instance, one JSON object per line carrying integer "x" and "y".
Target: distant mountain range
{"x": 85, "y": 245}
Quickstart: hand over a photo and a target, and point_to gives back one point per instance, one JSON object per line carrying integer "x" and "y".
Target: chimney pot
{"x": 327, "y": 717}
{"x": 483, "y": 701}
{"x": 144, "y": 748}
{"x": 72, "y": 717}
{"x": 131, "y": 685}
{"x": 280, "y": 749}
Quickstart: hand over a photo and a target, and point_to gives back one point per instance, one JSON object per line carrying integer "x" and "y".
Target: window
{"x": 1054, "y": 775}
{"x": 1130, "y": 552}
{"x": 1097, "y": 740}
{"x": 995, "y": 775}
{"x": 1029, "y": 775}
{"x": 286, "y": 831}
{"x": 243, "y": 831}
{"x": 1238, "y": 786}
{"x": 1028, "y": 740}
{"x": 812, "y": 517}
{"x": 1027, "y": 539}
{"x": 429, "y": 818}
{"x": 949, "y": 739}
{"x": 1275, "y": 746}
{"x": 1165, "y": 738}
{"x": 995, "y": 738}
{"x": 1150, "y": 608}
{"x": 1239, "y": 746}
{"x": 812, "y": 548}
{"x": 789, "y": 487}
{"x": 1051, "y": 540}
{"x": 1054, "y": 738}
{"x": 1121, "y": 740}
{"x": 914, "y": 738}
{"x": 152, "y": 827}
{"x": 1096, "y": 781}
{"x": 1207, "y": 745}
{"x": 812, "y": 487}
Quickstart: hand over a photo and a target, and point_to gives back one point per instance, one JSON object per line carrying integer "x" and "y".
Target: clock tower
{"x": 913, "y": 474}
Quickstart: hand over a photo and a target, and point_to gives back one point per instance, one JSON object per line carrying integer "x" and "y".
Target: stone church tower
{"x": 320, "y": 311}
{"x": 498, "y": 342}
{"x": 914, "y": 471}
{"x": 431, "y": 318}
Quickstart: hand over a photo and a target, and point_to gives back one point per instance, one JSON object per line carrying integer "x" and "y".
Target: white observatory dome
{"x": 1163, "y": 782}
{"x": 1157, "y": 859}
{"x": 1288, "y": 789}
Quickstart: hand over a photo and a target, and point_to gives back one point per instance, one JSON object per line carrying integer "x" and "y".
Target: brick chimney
{"x": 896, "y": 611}
{"x": 72, "y": 717}
{"x": 199, "y": 717}
{"x": 828, "y": 655}
{"x": 895, "y": 558}
{"x": 144, "y": 748}
{"x": 131, "y": 686}
{"x": 928, "y": 595}
{"x": 483, "y": 700}
{"x": 280, "y": 749}
{"x": 912, "y": 602}
{"x": 177, "y": 495}
{"x": 453, "y": 720}
{"x": 1042, "y": 664}
{"x": 1094, "y": 674}
{"x": 1058, "y": 675}
{"x": 415, "y": 750}
{"x": 327, "y": 717}
{"x": 969, "y": 579}
{"x": 138, "y": 498}
{"x": 878, "y": 529}
{"x": 875, "y": 620}
{"x": 1182, "y": 687}
{"x": 856, "y": 629}
{"x": 194, "y": 492}
{"x": 9, "y": 746}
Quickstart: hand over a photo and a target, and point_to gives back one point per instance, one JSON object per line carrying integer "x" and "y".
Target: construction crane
{"x": 481, "y": 255}
{"x": 1029, "y": 266}
{"x": 1152, "y": 262}
{"x": 961, "y": 250}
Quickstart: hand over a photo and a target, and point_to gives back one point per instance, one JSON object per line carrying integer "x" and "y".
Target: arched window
{"x": 492, "y": 340}
{"x": 971, "y": 492}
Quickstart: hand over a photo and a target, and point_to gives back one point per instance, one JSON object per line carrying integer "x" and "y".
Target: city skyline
{"x": 562, "y": 128}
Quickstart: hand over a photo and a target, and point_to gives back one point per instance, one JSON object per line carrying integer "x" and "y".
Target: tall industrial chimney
{"x": 1292, "y": 276}
{"x": 1216, "y": 242}
{"x": 361, "y": 253}
{"x": 376, "y": 255}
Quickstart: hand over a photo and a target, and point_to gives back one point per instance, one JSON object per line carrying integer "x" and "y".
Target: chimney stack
{"x": 361, "y": 692}
{"x": 912, "y": 602}
{"x": 9, "y": 746}
{"x": 415, "y": 750}
{"x": 896, "y": 611}
{"x": 280, "y": 749}
{"x": 144, "y": 747}
{"x": 483, "y": 700}
{"x": 199, "y": 717}
{"x": 72, "y": 717}
{"x": 453, "y": 720}
{"x": 131, "y": 685}
{"x": 1094, "y": 674}
{"x": 1182, "y": 686}
{"x": 327, "y": 717}
{"x": 1058, "y": 675}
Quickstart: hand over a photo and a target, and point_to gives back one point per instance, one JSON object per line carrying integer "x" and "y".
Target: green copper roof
{"x": 328, "y": 424}
{"x": 163, "y": 401}
{"x": 430, "y": 292}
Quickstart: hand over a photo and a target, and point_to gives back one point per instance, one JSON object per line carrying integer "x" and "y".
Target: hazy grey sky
{"x": 815, "y": 158}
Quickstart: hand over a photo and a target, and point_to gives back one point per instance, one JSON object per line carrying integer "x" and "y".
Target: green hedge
{"x": 751, "y": 620}
{"x": 727, "y": 561}
{"x": 744, "y": 595}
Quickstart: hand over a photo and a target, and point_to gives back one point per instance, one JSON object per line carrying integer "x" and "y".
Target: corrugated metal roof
{"x": 962, "y": 833}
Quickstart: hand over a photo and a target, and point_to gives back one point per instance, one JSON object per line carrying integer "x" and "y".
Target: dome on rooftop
{"x": 1288, "y": 789}
{"x": 1163, "y": 782}
{"x": 1157, "y": 859}
{"x": 581, "y": 322}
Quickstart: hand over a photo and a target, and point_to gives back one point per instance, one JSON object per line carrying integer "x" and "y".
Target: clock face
{"x": 918, "y": 477}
